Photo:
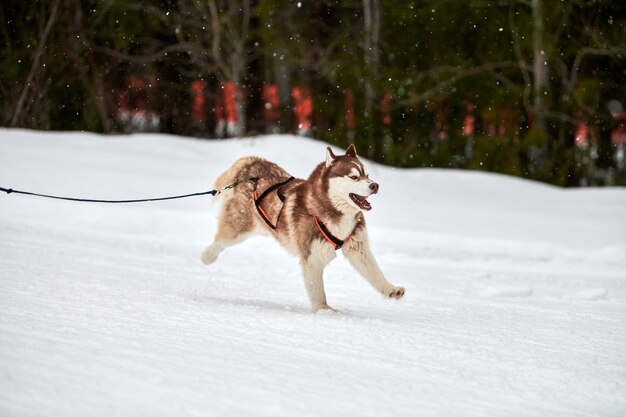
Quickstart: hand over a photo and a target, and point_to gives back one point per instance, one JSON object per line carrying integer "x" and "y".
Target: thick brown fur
{"x": 325, "y": 195}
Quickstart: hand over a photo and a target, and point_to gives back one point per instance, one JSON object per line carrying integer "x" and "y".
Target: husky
{"x": 310, "y": 218}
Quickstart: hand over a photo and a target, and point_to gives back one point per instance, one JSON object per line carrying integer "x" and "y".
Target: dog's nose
{"x": 374, "y": 187}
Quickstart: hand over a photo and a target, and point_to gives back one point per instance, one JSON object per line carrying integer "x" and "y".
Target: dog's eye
{"x": 354, "y": 177}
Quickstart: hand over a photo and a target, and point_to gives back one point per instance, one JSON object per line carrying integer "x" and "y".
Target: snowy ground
{"x": 515, "y": 303}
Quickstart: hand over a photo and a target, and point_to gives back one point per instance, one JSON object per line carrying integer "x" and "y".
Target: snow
{"x": 515, "y": 302}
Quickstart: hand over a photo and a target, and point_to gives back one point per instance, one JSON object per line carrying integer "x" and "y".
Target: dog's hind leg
{"x": 232, "y": 229}
{"x": 210, "y": 254}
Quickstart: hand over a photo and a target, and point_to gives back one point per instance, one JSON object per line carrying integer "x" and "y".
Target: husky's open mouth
{"x": 361, "y": 201}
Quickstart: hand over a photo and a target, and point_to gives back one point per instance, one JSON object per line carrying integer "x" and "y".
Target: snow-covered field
{"x": 515, "y": 303}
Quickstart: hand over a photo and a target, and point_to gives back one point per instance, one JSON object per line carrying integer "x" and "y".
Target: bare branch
{"x": 523, "y": 65}
{"x": 460, "y": 73}
{"x": 35, "y": 65}
{"x": 186, "y": 47}
{"x": 583, "y": 52}
{"x": 216, "y": 39}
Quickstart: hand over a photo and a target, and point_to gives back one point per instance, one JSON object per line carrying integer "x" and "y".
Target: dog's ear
{"x": 330, "y": 157}
{"x": 351, "y": 151}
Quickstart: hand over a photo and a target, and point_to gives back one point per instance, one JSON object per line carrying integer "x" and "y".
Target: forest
{"x": 530, "y": 88}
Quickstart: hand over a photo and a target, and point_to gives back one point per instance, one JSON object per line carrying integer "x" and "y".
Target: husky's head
{"x": 349, "y": 186}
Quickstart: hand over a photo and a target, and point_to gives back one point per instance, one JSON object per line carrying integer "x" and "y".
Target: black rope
{"x": 87, "y": 200}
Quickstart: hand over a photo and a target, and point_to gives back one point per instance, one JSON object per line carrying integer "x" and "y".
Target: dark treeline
{"x": 533, "y": 88}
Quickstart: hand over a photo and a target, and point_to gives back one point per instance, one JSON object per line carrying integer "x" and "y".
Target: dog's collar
{"x": 330, "y": 238}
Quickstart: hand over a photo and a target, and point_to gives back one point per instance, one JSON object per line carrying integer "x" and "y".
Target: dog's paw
{"x": 325, "y": 309}
{"x": 209, "y": 255}
{"x": 394, "y": 292}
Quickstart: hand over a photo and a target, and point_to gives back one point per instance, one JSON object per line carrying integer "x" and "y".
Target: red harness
{"x": 259, "y": 199}
{"x": 330, "y": 238}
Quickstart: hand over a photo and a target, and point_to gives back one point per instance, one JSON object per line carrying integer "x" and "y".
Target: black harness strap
{"x": 259, "y": 199}
{"x": 332, "y": 239}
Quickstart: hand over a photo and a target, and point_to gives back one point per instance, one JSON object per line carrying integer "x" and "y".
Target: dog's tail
{"x": 224, "y": 179}
{"x": 234, "y": 173}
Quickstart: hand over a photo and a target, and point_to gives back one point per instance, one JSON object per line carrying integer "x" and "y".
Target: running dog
{"x": 310, "y": 218}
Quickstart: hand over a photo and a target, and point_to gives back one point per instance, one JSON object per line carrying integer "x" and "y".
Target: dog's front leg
{"x": 313, "y": 272}
{"x": 314, "y": 282}
{"x": 357, "y": 250}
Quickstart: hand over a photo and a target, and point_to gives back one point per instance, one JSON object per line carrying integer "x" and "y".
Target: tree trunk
{"x": 540, "y": 65}
{"x": 371, "y": 20}
{"x": 239, "y": 58}
{"x": 35, "y": 65}
{"x": 282, "y": 77}
{"x": 240, "y": 102}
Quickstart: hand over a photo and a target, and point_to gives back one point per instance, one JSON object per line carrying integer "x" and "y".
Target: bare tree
{"x": 371, "y": 53}
{"x": 230, "y": 25}
{"x": 36, "y": 65}
{"x": 214, "y": 34}
{"x": 540, "y": 64}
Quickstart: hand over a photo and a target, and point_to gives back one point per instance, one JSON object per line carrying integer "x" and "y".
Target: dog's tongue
{"x": 361, "y": 202}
